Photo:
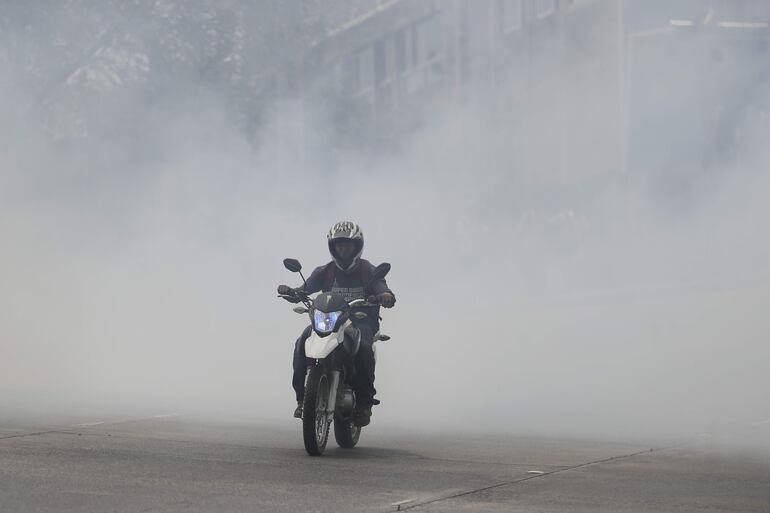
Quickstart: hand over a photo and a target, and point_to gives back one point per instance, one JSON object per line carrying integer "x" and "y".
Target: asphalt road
{"x": 175, "y": 463}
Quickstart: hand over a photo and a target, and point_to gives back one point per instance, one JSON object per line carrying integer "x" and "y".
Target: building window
{"x": 360, "y": 75}
{"x": 386, "y": 70}
{"x": 419, "y": 50}
{"x": 511, "y": 15}
{"x": 406, "y": 56}
{"x": 545, "y": 8}
{"x": 427, "y": 41}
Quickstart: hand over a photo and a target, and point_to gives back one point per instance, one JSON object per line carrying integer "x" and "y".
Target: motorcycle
{"x": 330, "y": 351}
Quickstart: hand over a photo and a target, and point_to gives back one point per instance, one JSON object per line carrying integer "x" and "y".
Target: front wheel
{"x": 315, "y": 419}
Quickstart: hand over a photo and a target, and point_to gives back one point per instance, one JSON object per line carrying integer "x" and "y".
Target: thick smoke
{"x": 139, "y": 268}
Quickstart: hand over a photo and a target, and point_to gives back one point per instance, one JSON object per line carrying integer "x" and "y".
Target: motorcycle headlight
{"x": 325, "y": 322}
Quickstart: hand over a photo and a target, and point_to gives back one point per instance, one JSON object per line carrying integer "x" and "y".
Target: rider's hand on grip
{"x": 285, "y": 290}
{"x": 387, "y": 299}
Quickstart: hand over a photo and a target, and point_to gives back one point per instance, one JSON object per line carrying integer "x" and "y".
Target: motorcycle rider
{"x": 347, "y": 274}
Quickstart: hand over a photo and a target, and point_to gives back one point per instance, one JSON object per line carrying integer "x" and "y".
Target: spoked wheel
{"x": 345, "y": 432}
{"x": 315, "y": 420}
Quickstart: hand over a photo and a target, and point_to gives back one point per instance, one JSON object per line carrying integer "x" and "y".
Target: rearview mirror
{"x": 292, "y": 265}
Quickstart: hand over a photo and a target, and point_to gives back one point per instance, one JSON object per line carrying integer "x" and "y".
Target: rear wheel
{"x": 315, "y": 420}
{"x": 345, "y": 433}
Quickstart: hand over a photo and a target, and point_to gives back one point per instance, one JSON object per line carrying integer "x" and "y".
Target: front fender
{"x": 319, "y": 347}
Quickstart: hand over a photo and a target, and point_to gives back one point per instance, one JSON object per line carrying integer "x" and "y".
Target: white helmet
{"x": 346, "y": 231}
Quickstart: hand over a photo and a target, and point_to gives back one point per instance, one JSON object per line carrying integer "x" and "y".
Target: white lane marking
{"x": 535, "y": 472}
{"x": 89, "y": 424}
{"x": 743, "y": 24}
{"x": 398, "y": 505}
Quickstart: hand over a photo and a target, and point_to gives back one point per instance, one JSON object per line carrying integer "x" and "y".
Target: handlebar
{"x": 304, "y": 297}
{"x": 300, "y": 296}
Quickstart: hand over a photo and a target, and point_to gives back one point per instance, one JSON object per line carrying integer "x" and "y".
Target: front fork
{"x": 334, "y": 384}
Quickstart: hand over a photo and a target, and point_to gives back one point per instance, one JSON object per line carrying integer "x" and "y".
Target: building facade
{"x": 587, "y": 84}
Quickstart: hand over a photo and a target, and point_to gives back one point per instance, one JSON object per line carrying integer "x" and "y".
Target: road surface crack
{"x": 22, "y": 435}
{"x": 417, "y": 504}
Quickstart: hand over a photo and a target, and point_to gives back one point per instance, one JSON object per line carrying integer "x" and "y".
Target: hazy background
{"x": 148, "y": 200}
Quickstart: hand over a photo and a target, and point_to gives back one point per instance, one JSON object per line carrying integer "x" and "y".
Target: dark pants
{"x": 363, "y": 381}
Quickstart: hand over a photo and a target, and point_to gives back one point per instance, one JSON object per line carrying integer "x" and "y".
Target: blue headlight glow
{"x": 325, "y": 322}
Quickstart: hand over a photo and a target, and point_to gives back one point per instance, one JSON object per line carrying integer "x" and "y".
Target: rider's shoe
{"x": 362, "y": 416}
{"x": 298, "y": 411}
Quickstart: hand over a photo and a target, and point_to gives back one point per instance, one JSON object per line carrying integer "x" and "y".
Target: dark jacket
{"x": 351, "y": 285}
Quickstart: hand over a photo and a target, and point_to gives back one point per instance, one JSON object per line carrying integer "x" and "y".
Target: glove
{"x": 387, "y": 299}
{"x": 285, "y": 290}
